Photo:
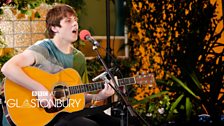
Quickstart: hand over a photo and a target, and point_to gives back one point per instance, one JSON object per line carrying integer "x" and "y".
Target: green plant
{"x": 26, "y": 6}
{"x": 183, "y": 36}
{"x": 95, "y": 67}
{"x": 153, "y": 108}
{"x": 4, "y": 59}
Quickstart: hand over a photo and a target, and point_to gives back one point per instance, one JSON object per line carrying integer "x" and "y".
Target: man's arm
{"x": 12, "y": 70}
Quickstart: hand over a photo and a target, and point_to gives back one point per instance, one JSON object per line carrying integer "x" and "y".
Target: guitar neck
{"x": 98, "y": 85}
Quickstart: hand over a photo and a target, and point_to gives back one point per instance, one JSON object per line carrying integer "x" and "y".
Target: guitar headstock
{"x": 145, "y": 79}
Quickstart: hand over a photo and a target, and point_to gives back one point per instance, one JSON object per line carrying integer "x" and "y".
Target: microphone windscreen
{"x": 83, "y": 34}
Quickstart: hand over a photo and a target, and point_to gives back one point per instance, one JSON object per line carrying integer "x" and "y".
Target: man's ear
{"x": 54, "y": 29}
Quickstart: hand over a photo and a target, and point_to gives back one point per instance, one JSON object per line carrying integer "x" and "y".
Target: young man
{"x": 53, "y": 55}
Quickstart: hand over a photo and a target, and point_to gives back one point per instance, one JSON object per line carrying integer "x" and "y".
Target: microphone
{"x": 85, "y": 35}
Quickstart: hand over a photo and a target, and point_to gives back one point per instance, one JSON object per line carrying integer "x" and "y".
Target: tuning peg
{"x": 152, "y": 81}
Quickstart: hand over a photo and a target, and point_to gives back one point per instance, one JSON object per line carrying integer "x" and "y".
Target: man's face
{"x": 69, "y": 28}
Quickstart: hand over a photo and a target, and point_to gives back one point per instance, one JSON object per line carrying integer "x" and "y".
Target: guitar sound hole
{"x": 61, "y": 99}
{"x": 61, "y": 92}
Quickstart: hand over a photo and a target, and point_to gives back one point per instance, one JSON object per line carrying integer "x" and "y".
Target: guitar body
{"x": 22, "y": 106}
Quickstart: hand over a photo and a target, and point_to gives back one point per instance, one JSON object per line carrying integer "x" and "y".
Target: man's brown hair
{"x": 55, "y": 15}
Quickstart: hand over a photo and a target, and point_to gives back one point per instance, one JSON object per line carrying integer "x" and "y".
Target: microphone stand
{"x": 116, "y": 89}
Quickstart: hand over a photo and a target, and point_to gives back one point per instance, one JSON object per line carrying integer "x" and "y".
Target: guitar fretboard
{"x": 98, "y": 85}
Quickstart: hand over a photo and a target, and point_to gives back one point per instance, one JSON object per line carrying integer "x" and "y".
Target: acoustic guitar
{"x": 65, "y": 86}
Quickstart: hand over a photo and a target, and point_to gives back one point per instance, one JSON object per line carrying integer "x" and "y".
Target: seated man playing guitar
{"x": 39, "y": 67}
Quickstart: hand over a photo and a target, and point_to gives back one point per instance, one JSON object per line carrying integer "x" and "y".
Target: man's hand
{"x": 106, "y": 92}
{"x": 46, "y": 100}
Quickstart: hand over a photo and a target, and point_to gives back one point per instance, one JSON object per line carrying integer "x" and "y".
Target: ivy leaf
{"x": 23, "y": 11}
{"x": 37, "y": 15}
{"x": 29, "y": 13}
{"x": 1, "y": 11}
